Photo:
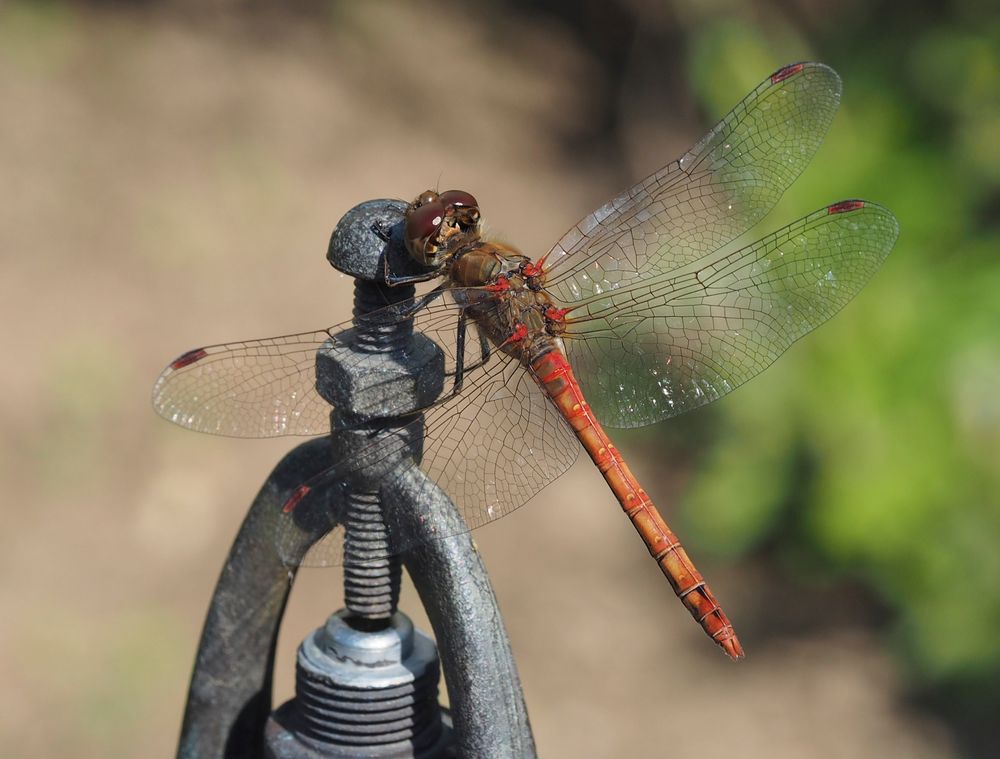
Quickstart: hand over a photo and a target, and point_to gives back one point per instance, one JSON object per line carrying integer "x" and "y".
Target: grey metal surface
{"x": 371, "y": 374}
{"x": 371, "y": 577}
{"x": 356, "y": 251}
{"x": 386, "y": 384}
{"x": 229, "y": 698}
{"x": 487, "y": 704}
{"x": 363, "y": 693}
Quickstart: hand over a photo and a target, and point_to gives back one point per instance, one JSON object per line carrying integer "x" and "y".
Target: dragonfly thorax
{"x": 503, "y": 292}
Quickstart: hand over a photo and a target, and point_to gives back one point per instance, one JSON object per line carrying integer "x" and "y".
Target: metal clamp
{"x": 366, "y": 681}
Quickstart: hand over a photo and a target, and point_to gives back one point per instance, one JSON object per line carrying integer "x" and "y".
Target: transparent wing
{"x": 495, "y": 450}
{"x": 491, "y": 448}
{"x": 267, "y": 388}
{"x": 254, "y": 388}
{"x": 664, "y": 346}
{"x": 711, "y": 195}
{"x": 491, "y": 442}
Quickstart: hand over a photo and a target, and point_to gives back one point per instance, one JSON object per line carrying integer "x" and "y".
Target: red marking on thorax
{"x": 844, "y": 206}
{"x": 535, "y": 268}
{"x": 501, "y": 285}
{"x": 520, "y": 332}
{"x": 556, "y": 314}
{"x": 782, "y": 74}
{"x": 188, "y": 358}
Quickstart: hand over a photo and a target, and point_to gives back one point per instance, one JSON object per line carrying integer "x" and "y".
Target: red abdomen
{"x": 555, "y": 375}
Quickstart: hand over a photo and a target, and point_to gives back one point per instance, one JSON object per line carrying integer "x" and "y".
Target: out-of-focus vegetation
{"x": 873, "y": 453}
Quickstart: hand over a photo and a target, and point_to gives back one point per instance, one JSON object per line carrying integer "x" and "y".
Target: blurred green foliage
{"x": 875, "y": 447}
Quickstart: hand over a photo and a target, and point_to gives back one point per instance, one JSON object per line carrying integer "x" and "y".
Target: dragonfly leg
{"x": 460, "y": 353}
{"x": 394, "y": 280}
{"x": 381, "y": 230}
{"x": 460, "y": 367}
{"x": 424, "y": 300}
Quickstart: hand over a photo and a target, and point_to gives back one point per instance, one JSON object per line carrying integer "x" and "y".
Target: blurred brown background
{"x": 169, "y": 177}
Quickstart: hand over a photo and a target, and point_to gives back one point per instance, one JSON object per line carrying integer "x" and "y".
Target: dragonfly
{"x": 647, "y": 308}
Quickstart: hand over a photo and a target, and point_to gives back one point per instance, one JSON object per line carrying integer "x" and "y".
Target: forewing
{"x": 715, "y": 192}
{"x": 490, "y": 447}
{"x": 267, "y": 388}
{"x": 659, "y": 348}
{"x": 254, "y": 388}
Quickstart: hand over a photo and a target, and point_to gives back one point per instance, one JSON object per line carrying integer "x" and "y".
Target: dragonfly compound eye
{"x": 458, "y": 198}
{"x": 423, "y": 223}
{"x": 427, "y": 196}
{"x": 463, "y": 206}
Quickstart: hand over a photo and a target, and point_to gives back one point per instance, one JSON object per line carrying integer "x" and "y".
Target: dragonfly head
{"x": 433, "y": 219}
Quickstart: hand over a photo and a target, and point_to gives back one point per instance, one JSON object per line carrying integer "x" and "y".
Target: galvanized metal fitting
{"x": 362, "y": 693}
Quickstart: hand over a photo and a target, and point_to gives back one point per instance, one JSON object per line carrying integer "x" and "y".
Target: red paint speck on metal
{"x": 782, "y": 74}
{"x": 844, "y": 206}
{"x": 188, "y": 358}
{"x": 300, "y": 492}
